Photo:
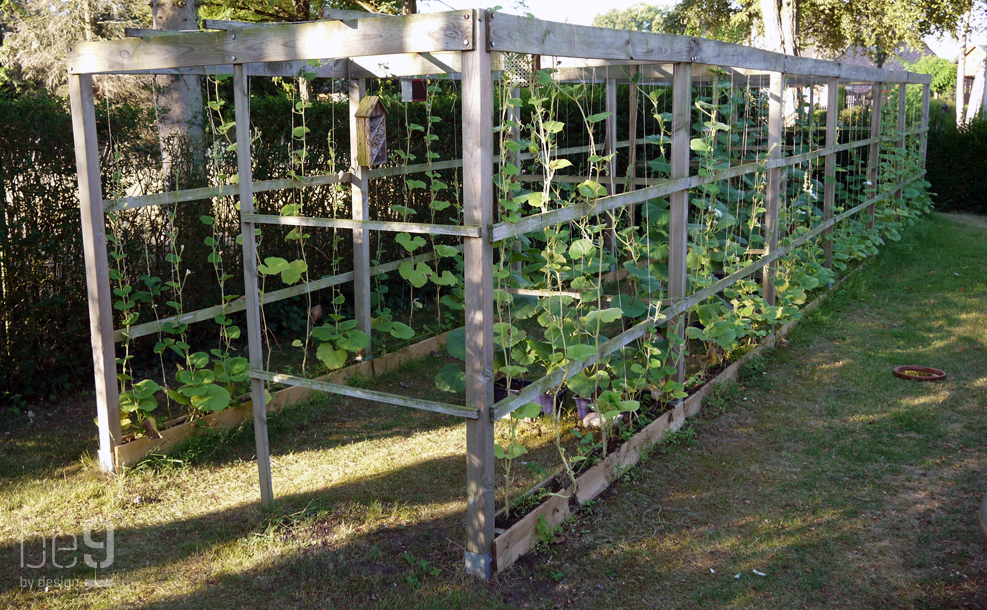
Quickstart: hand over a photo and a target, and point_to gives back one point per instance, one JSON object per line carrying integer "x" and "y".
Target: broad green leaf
{"x": 532, "y": 409}
{"x": 603, "y": 316}
{"x": 353, "y": 341}
{"x": 456, "y": 343}
{"x": 400, "y": 330}
{"x": 332, "y": 358}
{"x": 210, "y": 398}
{"x": 580, "y": 352}
{"x": 410, "y": 243}
{"x": 451, "y": 378}
{"x": 581, "y": 248}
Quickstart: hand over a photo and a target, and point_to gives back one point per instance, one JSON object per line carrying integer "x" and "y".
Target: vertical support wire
{"x": 255, "y": 338}
{"x": 678, "y": 236}
{"x": 900, "y": 143}
{"x": 97, "y": 267}
{"x": 478, "y": 98}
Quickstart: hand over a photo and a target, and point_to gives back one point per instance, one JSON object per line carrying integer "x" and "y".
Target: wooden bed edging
{"x": 518, "y": 539}
{"x": 130, "y": 453}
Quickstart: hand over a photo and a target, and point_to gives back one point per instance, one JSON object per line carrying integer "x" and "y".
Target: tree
{"x": 640, "y": 17}
{"x": 725, "y": 20}
{"x": 35, "y": 36}
{"x": 942, "y": 70}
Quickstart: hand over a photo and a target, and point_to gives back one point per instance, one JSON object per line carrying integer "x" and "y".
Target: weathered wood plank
{"x": 241, "y": 97}
{"x": 478, "y": 109}
{"x": 678, "y": 229}
{"x": 226, "y": 190}
{"x": 365, "y": 225}
{"x": 873, "y": 159}
{"x": 209, "y": 313}
{"x": 516, "y": 541}
{"x": 360, "y": 198}
{"x": 363, "y": 394}
{"x": 924, "y": 126}
{"x": 420, "y": 33}
{"x": 829, "y": 186}
{"x": 515, "y": 34}
{"x": 773, "y": 187}
{"x": 97, "y": 268}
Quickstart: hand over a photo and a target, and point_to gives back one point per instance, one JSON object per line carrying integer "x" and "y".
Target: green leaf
{"x": 507, "y": 336}
{"x": 532, "y": 409}
{"x": 699, "y": 145}
{"x": 354, "y": 341}
{"x": 451, "y": 378}
{"x": 210, "y": 398}
{"x": 596, "y": 118}
{"x": 299, "y": 131}
{"x": 332, "y": 358}
{"x": 417, "y": 275}
{"x": 446, "y": 279}
{"x": 581, "y": 352}
{"x": 603, "y": 316}
{"x": 456, "y": 343}
{"x": 557, "y": 164}
{"x": 591, "y": 189}
{"x": 400, "y": 330}
{"x": 410, "y": 243}
{"x": 582, "y": 248}
{"x": 446, "y": 250}
{"x": 199, "y": 360}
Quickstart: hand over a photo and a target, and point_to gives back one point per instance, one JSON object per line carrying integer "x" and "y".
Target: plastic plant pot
{"x": 919, "y": 373}
{"x": 584, "y": 406}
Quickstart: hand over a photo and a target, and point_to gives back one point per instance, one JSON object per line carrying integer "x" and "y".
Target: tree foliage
{"x": 942, "y": 70}
{"x": 829, "y": 26}
{"x": 639, "y": 18}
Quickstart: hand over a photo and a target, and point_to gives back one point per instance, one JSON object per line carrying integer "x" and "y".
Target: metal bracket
{"x": 479, "y": 564}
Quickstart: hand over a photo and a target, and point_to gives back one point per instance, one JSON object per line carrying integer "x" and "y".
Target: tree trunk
{"x": 961, "y": 69}
{"x": 180, "y": 115}
{"x": 409, "y": 7}
{"x": 780, "y": 19}
{"x": 183, "y": 161}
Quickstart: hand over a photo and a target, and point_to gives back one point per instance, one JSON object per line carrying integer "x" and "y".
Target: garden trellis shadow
{"x": 471, "y": 46}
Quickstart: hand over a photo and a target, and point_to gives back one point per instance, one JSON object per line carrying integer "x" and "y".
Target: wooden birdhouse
{"x": 371, "y": 132}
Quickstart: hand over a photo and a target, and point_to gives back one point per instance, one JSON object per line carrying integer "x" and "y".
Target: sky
{"x": 582, "y": 12}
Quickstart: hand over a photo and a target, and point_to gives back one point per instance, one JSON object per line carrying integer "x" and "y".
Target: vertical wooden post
{"x": 360, "y": 188}
{"x": 255, "y": 337}
{"x": 900, "y": 144}
{"x": 97, "y": 267}
{"x": 632, "y": 109}
{"x": 924, "y": 137}
{"x": 775, "y": 121}
{"x": 478, "y": 271}
{"x": 873, "y": 159}
{"x": 832, "y": 139}
{"x": 678, "y": 234}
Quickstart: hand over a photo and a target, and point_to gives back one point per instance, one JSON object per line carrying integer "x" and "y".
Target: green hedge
{"x": 957, "y": 164}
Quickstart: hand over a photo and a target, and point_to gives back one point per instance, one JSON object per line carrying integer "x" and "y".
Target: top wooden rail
{"x": 418, "y": 41}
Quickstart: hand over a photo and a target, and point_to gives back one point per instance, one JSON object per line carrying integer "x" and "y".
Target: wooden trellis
{"x": 469, "y": 45}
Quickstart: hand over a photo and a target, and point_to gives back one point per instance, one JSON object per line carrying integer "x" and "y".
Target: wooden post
{"x": 359, "y": 183}
{"x": 97, "y": 267}
{"x": 900, "y": 144}
{"x": 771, "y": 196}
{"x": 478, "y": 275}
{"x": 832, "y": 139}
{"x": 632, "y": 109}
{"x": 924, "y": 137}
{"x": 255, "y": 337}
{"x": 678, "y": 235}
{"x": 610, "y": 146}
{"x": 873, "y": 159}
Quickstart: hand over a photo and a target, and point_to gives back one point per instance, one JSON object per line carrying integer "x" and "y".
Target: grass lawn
{"x": 818, "y": 480}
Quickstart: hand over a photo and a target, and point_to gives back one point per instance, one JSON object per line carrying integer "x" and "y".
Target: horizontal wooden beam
{"x": 373, "y": 395}
{"x": 420, "y": 33}
{"x": 201, "y": 315}
{"x": 226, "y": 190}
{"x": 373, "y": 225}
{"x": 510, "y": 33}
